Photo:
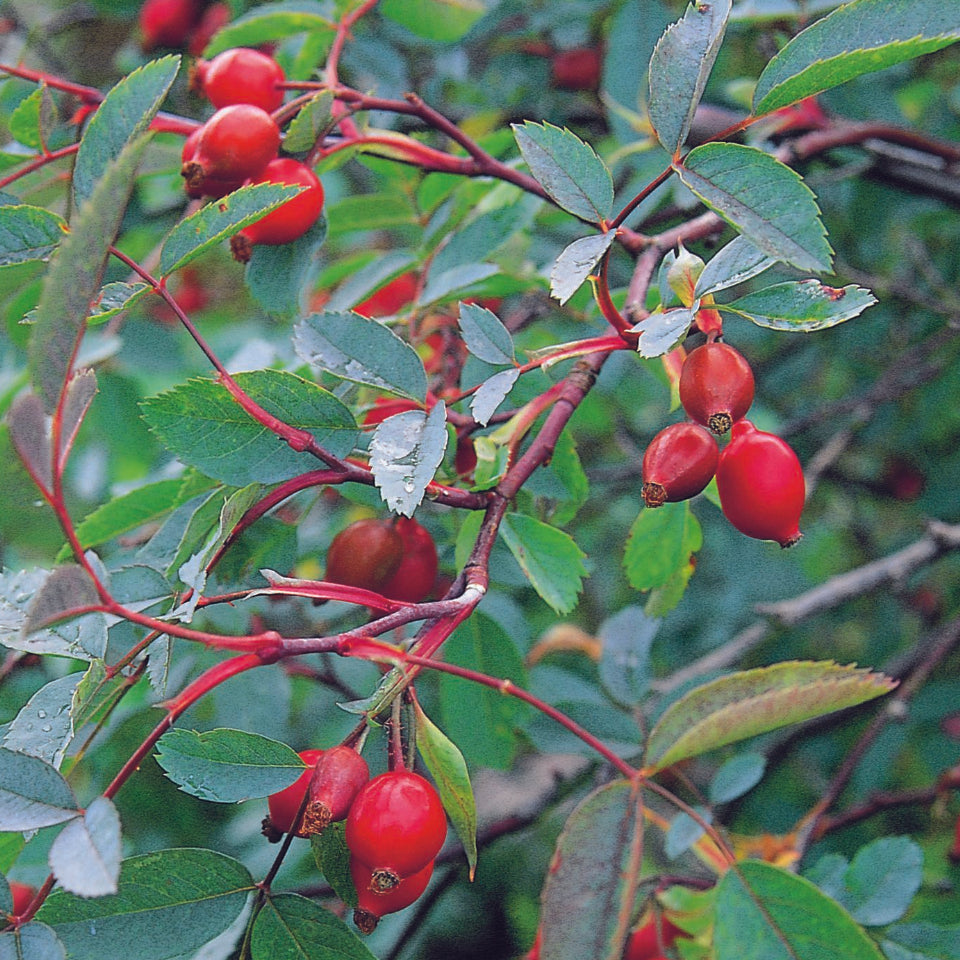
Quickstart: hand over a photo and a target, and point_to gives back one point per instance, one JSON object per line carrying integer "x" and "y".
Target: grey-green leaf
{"x": 485, "y": 336}
{"x": 32, "y": 794}
{"x": 291, "y": 927}
{"x": 802, "y": 305}
{"x": 763, "y": 198}
{"x": 567, "y": 168}
{"x": 85, "y": 857}
{"x": 28, "y": 233}
{"x": 576, "y": 262}
{"x": 124, "y": 115}
{"x": 663, "y": 330}
{"x": 227, "y": 766}
{"x": 43, "y": 728}
{"x": 625, "y": 660}
{"x": 738, "y": 261}
{"x": 857, "y": 38}
{"x": 679, "y": 69}
{"x": 491, "y": 394}
{"x": 32, "y": 941}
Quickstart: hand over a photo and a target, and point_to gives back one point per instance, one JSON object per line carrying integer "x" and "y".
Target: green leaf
{"x": 28, "y": 233}
{"x": 333, "y": 861}
{"x": 443, "y": 20}
{"x": 679, "y": 68}
{"x": 96, "y": 694}
{"x": 737, "y": 776}
{"x": 85, "y": 857}
{"x": 550, "y": 558}
{"x": 480, "y": 238}
{"x": 663, "y": 330}
{"x": 227, "y": 766}
{"x": 734, "y": 263}
{"x": 143, "y": 505}
{"x": 922, "y": 941}
{"x": 587, "y": 900}
{"x": 857, "y": 38}
{"x": 763, "y": 198}
{"x": 73, "y": 279}
{"x": 567, "y": 168}
{"x": 220, "y": 219}
{"x": 765, "y": 913}
{"x": 205, "y": 428}
{"x": 481, "y": 721}
{"x": 24, "y": 124}
{"x": 43, "y": 727}
{"x": 625, "y": 662}
{"x": 362, "y": 350}
{"x": 309, "y": 124}
{"x": 485, "y": 336}
{"x": 114, "y": 298}
{"x": 272, "y": 21}
{"x": 405, "y": 452}
{"x": 32, "y": 793}
{"x": 659, "y": 544}
{"x": 169, "y": 904}
{"x": 879, "y": 885}
{"x": 577, "y": 261}
{"x": 751, "y": 702}
{"x": 32, "y": 941}
{"x": 291, "y": 927}
{"x": 493, "y": 391}
{"x": 121, "y": 118}
{"x": 449, "y": 771}
{"x": 279, "y": 276}
{"x": 801, "y": 305}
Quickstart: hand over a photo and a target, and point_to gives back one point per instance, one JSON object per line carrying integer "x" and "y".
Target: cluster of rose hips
{"x": 396, "y": 558}
{"x": 240, "y": 144}
{"x": 395, "y": 826}
{"x": 181, "y": 23}
{"x": 759, "y": 477}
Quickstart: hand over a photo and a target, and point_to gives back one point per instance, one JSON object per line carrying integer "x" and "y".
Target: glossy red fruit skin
{"x": 365, "y": 554}
{"x": 645, "y": 943}
{"x": 761, "y": 485}
{"x": 237, "y": 142}
{"x": 415, "y": 577}
{"x": 338, "y": 777}
{"x": 716, "y": 386}
{"x": 371, "y": 905}
{"x": 396, "y": 826}
{"x": 241, "y": 75}
{"x": 203, "y": 186}
{"x": 167, "y": 23}
{"x": 22, "y": 894}
{"x": 678, "y": 463}
{"x": 290, "y": 220}
{"x": 285, "y": 804}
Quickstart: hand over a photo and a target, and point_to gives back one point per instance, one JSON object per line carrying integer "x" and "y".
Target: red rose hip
{"x": 761, "y": 485}
{"x": 365, "y": 554}
{"x": 285, "y": 804}
{"x": 372, "y": 905}
{"x": 716, "y": 386}
{"x": 396, "y": 826}
{"x": 337, "y": 778}
{"x": 240, "y": 75}
{"x": 416, "y": 575}
{"x": 678, "y": 463}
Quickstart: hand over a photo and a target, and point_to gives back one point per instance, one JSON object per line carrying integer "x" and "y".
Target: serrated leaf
{"x": 311, "y": 121}
{"x": 857, "y": 38}
{"x": 663, "y": 330}
{"x": 28, "y": 233}
{"x": 550, "y": 558}
{"x": 32, "y": 793}
{"x": 449, "y": 771}
{"x": 220, "y": 219}
{"x": 279, "y": 277}
{"x": 75, "y": 639}
{"x": 124, "y": 114}
{"x": 442, "y": 20}
{"x": 491, "y": 394}
{"x": 765, "y": 913}
{"x": 227, "y": 766}
{"x": 737, "y": 776}
{"x": 567, "y": 168}
{"x": 85, "y": 857}
{"x": 576, "y": 263}
{"x": 405, "y": 452}
{"x": 660, "y": 542}
{"x": 32, "y": 941}
{"x": 763, "y": 198}
{"x": 751, "y": 702}
{"x": 738, "y": 261}
{"x": 625, "y": 661}
{"x": 169, "y": 903}
{"x": 591, "y": 886}
{"x": 205, "y": 428}
{"x": 291, "y": 927}
{"x": 272, "y": 21}
{"x": 43, "y": 727}
{"x": 73, "y": 278}
{"x": 362, "y": 350}
{"x": 801, "y": 305}
{"x": 482, "y": 722}
{"x": 485, "y": 336}
{"x": 333, "y": 860}
{"x": 679, "y": 68}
